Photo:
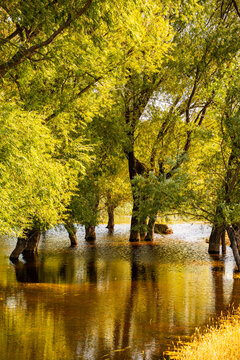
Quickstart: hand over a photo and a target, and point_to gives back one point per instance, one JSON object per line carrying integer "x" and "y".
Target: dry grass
{"x": 221, "y": 342}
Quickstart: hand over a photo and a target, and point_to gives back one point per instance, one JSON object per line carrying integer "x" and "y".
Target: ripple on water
{"x": 111, "y": 298}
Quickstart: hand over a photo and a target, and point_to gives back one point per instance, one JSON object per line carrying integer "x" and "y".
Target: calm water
{"x": 111, "y": 300}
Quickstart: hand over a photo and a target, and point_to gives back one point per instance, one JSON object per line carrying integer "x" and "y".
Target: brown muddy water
{"x": 111, "y": 299}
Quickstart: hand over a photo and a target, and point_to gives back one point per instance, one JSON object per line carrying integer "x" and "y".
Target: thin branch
{"x": 202, "y": 112}
{"x": 19, "y": 29}
{"x": 81, "y": 92}
{"x": 234, "y": 179}
{"x": 23, "y": 53}
{"x": 236, "y": 8}
{"x": 191, "y": 96}
{"x": 162, "y": 132}
{"x": 11, "y": 36}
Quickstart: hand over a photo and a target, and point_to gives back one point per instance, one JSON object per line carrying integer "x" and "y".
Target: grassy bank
{"x": 219, "y": 342}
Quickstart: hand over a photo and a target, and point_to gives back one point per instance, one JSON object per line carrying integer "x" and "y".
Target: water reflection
{"x": 110, "y": 300}
{"x": 27, "y": 271}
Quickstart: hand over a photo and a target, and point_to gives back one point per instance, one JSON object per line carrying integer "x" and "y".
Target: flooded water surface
{"x": 111, "y": 299}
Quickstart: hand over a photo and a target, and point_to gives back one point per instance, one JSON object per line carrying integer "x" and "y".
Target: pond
{"x": 112, "y": 299}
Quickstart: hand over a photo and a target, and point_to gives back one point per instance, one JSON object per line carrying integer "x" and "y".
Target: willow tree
{"x": 52, "y": 64}
{"x": 171, "y": 75}
{"x": 142, "y": 77}
{"x": 215, "y": 194}
{"x": 216, "y": 165}
{"x": 42, "y": 164}
{"x": 35, "y": 186}
{"x": 133, "y": 30}
{"x": 184, "y": 100}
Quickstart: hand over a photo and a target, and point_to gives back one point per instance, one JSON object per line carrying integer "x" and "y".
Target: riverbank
{"x": 219, "y": 342}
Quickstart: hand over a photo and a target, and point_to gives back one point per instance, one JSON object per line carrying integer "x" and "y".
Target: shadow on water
{"x": 218, "y": 269}
{"x": 111, "y": 300}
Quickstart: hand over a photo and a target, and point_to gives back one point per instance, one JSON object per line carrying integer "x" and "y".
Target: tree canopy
{"x": 109, "y": 103}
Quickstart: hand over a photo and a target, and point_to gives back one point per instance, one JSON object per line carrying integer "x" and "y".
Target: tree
{"x": 215, "y": 193}
{"x": 186, "y": 94}
{"x": 223, "y": 49}
{"x": 35, "y": 187}
{"x": 46, "y": 70}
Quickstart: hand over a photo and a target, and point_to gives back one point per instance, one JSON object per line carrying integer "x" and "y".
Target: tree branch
{"x": 191, "y": 96}
{"x": 161, "y": 133}
{"x": 23, "y": 53}
{"x": 236, "y": 8}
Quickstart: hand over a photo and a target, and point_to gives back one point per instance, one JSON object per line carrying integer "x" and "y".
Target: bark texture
{"x": 233, "y": 235}
{"x": 150, "y": 229}
{"x": 90, "y": 233}
{"x": 143, "y": 227}
{"x": 134, "y": 229}
{"x": 27, "y": 244}
{"x": 72, "y": 233}
{"x": 223, "y": 242}
{"x": 110, "y": 225}
{"x": 135, "y": 168}
{"x": 215, "y": 239}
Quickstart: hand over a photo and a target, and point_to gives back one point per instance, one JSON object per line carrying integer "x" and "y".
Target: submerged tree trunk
{"x": 143, "y": 228}
{"x": 90, "y": 233}
{"x": 150, "y": 229}
{"x": 223, "y": 242}
{"x": 235, "y": 244}
{"x": 110, "y": 225}
{"x": 27, "y": 244}
{"x": 72, "y": 231}
{"x": 135, "y": 168}
{"x": 134, "y": 229}
{"x": 215, "y": 239}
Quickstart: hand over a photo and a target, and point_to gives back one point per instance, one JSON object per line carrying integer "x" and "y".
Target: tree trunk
{"x": 223, "y": 241}
{"x": 28, "y": 244}
{"x": 215, "y": 238}
{"x": 134, "y": 229}
{"x": 150, "y": 229}
{"x": 143, "y": 227}
{"x": 110, "y": 225}
{"x": 237, "y": 235}
{"x": 33, "y": 242}
{"x": 135, "y": 168}
{"x": 72, "y": 231}
{"x": 234, "y": 239}
{"x": 90, "y": 233}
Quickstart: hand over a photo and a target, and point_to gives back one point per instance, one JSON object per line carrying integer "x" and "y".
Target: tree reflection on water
{"x": 118, "y": 302}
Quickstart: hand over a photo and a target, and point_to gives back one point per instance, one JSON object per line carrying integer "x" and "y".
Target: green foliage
{"x": 215, "y": 176}
{"x": 159, "y": 194}
{"x": 83, "y": 208}
{"x": 87, "y": 83}
{"x": 34, "y": 185}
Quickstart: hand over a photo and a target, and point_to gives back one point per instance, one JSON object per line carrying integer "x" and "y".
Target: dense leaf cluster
{"x": 92, "y": 90}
